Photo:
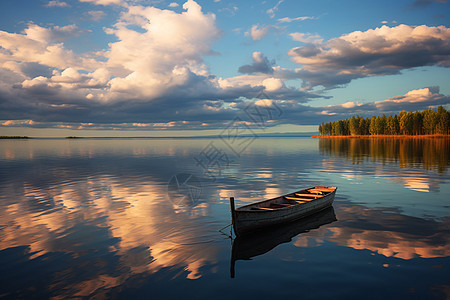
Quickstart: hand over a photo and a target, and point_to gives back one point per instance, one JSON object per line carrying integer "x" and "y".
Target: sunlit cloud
{"x": 154, "y": 70}
{"x": 393, "y": 234}
{"x": 131, "y": 226}
{"x": 419, "y": 99}
{"x": 289, "y": 20}
{"x": 306, "y": 37}
{"x": 56, "y": 3}
{"x": 104, "y": 2}
{"x": 375, "y": 52}
{"x": 257, "y": 32}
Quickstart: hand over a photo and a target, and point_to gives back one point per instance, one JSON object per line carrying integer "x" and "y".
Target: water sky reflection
{"x": 92, "y": 217}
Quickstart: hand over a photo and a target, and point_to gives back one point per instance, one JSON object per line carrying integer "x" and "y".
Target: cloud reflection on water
{"x": 135, "y": 221}
{"x": 391, "y": 234}
{"x": 96, "y": 214}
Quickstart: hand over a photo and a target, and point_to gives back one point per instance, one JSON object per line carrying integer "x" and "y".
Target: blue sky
{"x": 138, "y": 67}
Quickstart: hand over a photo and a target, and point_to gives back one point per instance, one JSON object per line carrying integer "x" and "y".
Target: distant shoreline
{"x": 255, "y": 135}
{"x": 15, "y": 137}
{"x": 400, "y": 136}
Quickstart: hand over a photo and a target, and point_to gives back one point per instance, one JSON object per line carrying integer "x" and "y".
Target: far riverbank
{"x": 382, "y": 136}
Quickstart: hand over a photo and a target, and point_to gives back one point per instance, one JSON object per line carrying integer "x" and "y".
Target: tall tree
{"x": 390, "y": 125}
{"x": 442, "y": 120}
{"x": 406, "y": 123}
{"x": 429, "y": 121}
{"x": 417, "y": 123}
{"x": 373, "y": 125}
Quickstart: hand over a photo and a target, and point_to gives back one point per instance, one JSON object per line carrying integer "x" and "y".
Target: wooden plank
{"x": 298, "y": 199}
{"x": 308, "y": 195}
{"x": 322, "y": 189}
{"x": 316, "y": 191}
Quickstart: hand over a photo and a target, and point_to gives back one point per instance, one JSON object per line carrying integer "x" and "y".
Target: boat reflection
{"x": 261, "y": 242}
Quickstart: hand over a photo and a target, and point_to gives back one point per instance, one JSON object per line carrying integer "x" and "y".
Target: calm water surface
{"x": 106, "y": 218}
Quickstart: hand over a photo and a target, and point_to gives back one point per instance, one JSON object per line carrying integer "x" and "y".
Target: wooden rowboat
{"x": 245, "y": 247}
{"x": 281, "y": 209}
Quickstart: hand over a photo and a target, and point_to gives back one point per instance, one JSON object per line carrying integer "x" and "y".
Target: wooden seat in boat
{"x": 308, "y": 195}
{"x": 297, "y": 199}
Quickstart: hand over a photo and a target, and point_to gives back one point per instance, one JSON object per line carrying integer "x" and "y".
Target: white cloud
{"x": 44, "y": 46}
{"x": 272, "y": 11}
{"x": 96, "y": 15}
{"x": 427, "y": 97}
{"x": 52, "y": 34}
{"x": 174, "y": 4}
{"x": 273, "y": 84}
{"x": 56, "y": 3}
{"x": 153, "y": 72}
{"x": 306, "y": 37}
{"x": 289, "y": 20}
{"x": 169, "y": 52}
{"x": 419, "y": 99}
{"x": 257, "y": 32}
{"x": 104, "y": 2}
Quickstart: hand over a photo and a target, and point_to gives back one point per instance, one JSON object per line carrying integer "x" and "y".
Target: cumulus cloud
{"x": 53, "y": 34}
{"x": 257, "y": 31}
{"x": 168, "y": 54}
{"x": 419, "y": 99}
{"x": 42, "y": 46}
{"x": 56, "y": 3}
{"x": 261, "y": 64}
{"x": 153, "y": 72}
{"x": 381, "y": 51}
{"x": 174, "y": 4}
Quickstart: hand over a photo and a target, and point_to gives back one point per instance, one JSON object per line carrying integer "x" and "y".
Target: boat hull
{"x": 245, "y": 247}
{"x": 246, "y": 221}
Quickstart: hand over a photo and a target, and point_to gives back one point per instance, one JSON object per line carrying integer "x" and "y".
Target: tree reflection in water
{"x": 427, "y": 153}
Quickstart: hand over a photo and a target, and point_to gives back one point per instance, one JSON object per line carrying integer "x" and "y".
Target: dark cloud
{"x": 260, "y": 64}
{"x": 33, "y": 70}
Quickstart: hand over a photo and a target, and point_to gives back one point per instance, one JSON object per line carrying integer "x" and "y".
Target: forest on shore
{"x": 427, "y": 122}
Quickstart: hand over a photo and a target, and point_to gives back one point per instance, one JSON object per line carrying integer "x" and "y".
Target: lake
{"x": 135, "y": 218}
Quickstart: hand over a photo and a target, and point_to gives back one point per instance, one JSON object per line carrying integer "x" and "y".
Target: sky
{"x": 183, "y": 68}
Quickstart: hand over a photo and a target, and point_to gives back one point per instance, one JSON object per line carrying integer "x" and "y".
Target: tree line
{"x": 405, "y": 123}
